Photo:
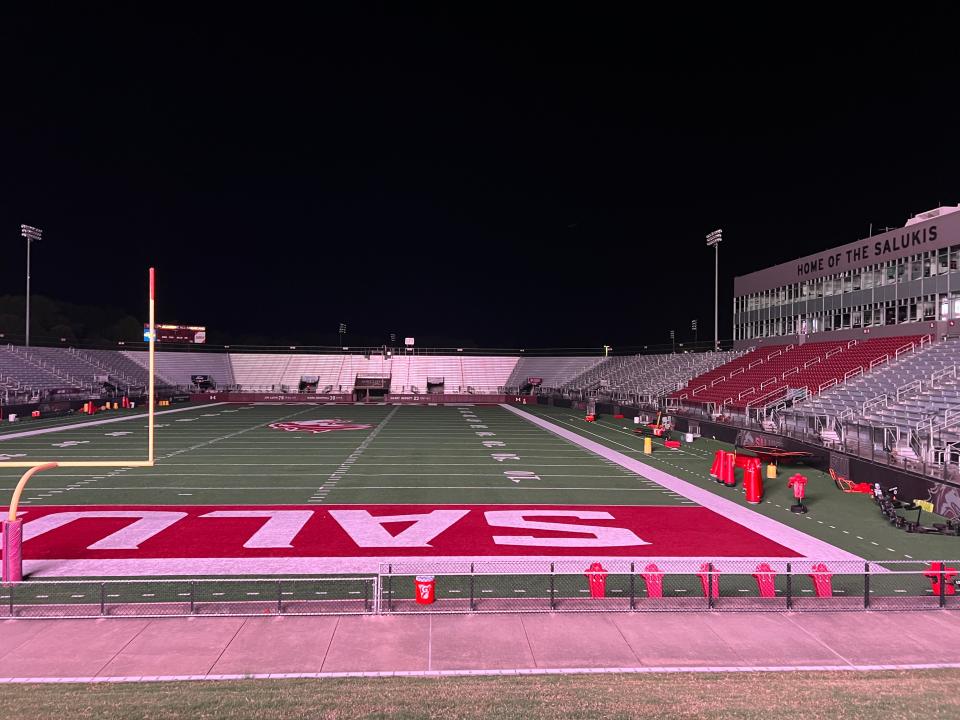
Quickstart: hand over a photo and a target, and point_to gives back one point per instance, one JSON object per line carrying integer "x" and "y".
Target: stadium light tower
{"x": 31, "y": 234}
{"x": 713, "y": 240}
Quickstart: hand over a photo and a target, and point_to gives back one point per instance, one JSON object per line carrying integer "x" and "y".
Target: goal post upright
{"x": 12, "y": 566}
{"x": 151, "y": 411}
{"x": 151, "y": 400}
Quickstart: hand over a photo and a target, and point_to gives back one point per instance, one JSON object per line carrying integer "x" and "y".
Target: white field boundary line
{"x": 495, "y": 672}
{"x": 272, "y": 566}
{"x": 678, "y": 451}
{"x": 767, "y": 527}
{"x": 95, "y": 423}
{"x": 361, "y": 488}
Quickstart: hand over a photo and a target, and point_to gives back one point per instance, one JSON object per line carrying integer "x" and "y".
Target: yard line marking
{"x": 232, "y": 435}
{"x": 352, "y": 457}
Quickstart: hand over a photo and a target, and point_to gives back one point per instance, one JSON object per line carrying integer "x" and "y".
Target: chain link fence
{"x": 189, "y": 597}
{"x": 671, "y": 585}
{"x": 641, "y": 585}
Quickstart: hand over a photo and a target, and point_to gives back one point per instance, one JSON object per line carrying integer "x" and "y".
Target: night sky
{"x": 480, "y": 178}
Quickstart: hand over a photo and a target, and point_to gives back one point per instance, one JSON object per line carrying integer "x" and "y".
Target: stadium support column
{"x": 713, "y": 239}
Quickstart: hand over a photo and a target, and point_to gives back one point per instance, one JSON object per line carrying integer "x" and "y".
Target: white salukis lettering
{"x": 148, "y": 524}
{"x": 278, "y": 531}
{"x": 603, "y": 537}
{"x": 367, "y": 530}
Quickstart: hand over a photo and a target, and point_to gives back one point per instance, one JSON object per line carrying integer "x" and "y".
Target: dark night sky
{"x": 538, "y": 181}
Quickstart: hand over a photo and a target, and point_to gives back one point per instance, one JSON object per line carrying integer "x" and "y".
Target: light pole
{"x": 31, "y": 234}
{"x": 713, "y": 239}
{"x": 343, "y": 331}
{"x": 693, "y": 326}
{"x": 673, "y": 341}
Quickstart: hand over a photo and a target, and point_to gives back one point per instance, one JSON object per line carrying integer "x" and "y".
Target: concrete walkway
{"x": 223, "y": 648}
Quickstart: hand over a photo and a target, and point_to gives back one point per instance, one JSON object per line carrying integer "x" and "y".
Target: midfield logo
{"x": 319, "y": 426}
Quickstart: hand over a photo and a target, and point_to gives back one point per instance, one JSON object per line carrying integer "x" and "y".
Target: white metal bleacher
{"x": 22, "y": 370}
{"x": 918, "y": 391}
{"x": 646, "y": 377}
{"x": 176, "y": 368}
{"x": 555, "y": 371}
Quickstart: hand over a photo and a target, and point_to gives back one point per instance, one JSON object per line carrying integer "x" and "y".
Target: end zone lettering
{"x": 159, "y": 532}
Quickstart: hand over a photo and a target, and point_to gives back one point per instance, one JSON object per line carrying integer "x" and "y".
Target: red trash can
{"x": 425, "y": 587}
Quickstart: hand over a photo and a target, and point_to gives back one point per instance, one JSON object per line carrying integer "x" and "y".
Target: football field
{"x": 305, "y": 488}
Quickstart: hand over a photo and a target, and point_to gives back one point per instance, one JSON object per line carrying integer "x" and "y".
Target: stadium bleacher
{"x": 917, "y": 391}
{"x": 408, "y": 374}
{"x": 644, "y": 378}
{"x": 23, "y": 369}
{"x": 176, "y": 368}
{"x": 767, "y": 375}
{"x": 554, "y": 371}
{"x": 119, "y": 365}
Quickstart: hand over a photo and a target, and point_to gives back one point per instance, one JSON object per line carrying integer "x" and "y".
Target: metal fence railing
{"x": 639, "y": 585}
{"x": 186, "y": 597}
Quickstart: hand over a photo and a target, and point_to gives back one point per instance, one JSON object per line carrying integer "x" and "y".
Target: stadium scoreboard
{"x": 193, "y": 334}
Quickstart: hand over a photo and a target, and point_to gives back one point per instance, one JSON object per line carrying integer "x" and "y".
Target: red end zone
{"x": 356, "y": 531}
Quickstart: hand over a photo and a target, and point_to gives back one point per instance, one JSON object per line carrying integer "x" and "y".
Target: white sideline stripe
{"x": 94, "y": 423}
{"x": 269, "y": 566}
{"x": 797, "y": 541}
{"x": 645, "y": 670}
{"x": 360, "y": 488}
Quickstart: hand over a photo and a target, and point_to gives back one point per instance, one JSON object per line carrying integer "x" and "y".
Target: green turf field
{"x": 227, "y": 454}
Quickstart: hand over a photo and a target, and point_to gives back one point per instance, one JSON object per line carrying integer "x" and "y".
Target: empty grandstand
{"x": 765, "y": 379}
{"x": 909, "y": 405}
{"x": 178, "y": 368}
{"x": 642, "y": 379}
{"x": 551, "y": 372}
